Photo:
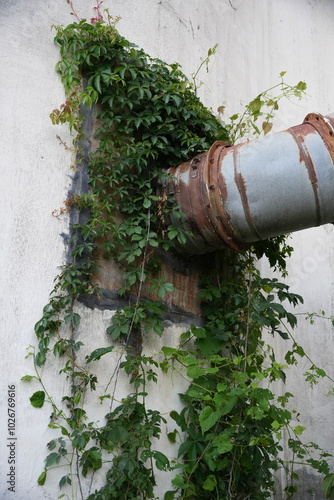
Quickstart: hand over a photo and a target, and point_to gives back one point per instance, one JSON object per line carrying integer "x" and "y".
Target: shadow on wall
{"x": 309, "y": 487}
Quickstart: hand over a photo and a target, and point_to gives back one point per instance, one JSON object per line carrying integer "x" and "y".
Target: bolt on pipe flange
{"x": 236, "y": 195}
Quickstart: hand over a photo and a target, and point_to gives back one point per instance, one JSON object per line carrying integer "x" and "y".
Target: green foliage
{"x": 328, "y": 486}
{"x": 263, "y": 107}
{"x": 37, "y": 399}
{"x": 229, "y": 429}
{"x": 231, "y": 419}
{"x": 130, "y": 428}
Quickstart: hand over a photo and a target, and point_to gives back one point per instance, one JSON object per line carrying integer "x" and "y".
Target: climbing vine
{"x": 229, "y": 428}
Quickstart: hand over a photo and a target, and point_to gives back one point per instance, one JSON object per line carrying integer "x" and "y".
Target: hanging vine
{"x": 229, "y": 431}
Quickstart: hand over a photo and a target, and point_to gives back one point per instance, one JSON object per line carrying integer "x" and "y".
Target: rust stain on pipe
{"x": 324, "y": 125}
{"x": 299, "y": 133}
{"x": 242, "y": 188}
{"x": 232, "y": 196}
{"x": 236, "y": 195}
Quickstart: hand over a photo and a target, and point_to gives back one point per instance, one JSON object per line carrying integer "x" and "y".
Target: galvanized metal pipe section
{"x": 236, "y": 195}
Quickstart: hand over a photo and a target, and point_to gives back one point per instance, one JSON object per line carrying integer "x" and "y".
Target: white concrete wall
{"x": 257, "y": 40}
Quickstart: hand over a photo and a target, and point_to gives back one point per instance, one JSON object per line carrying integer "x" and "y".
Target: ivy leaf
{"x": 52, "y": 444}
{"x": 179, "y": 482}
{"x": 208, "y": 418}
{"x": 301, "y": 86}
{"x": 77, "y": 397}
{"x": 266, "y": 127}
{"x": 160, "y": 285}
{"x": 174, "y": 415}
{"x": 41, "y": 478}
{"x": 209, "y": 346}
{"x": 198, "y": 332}
{"x": 37, "y": 399}
{"x": 230, "y": 403}
{"x": 284, "y": 335}
{"x": 169, "y": 495}
{"x": 53, "y": 458}
{"x": 91, "y": 460}
{"x": 27, "y": 378}
{"x": 168, "y": 351}
{"x": 147, "y": 203}
{"x": 223, "y": 444}
{"x": 185, "y": 447}
{"x": 161, "y": 461}
{"x": 194, "y": 371}
{"x": 172, "y": 436}
{"x": 299, "y": 429}
{"x": 210, "y": 483}
{"x": 327, "y": 486}
{"x": 98, "y": 353}
{"x": 64, "y": 480}
{"x": 278, "y": 308}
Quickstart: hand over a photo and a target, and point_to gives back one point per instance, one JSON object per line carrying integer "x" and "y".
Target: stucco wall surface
{"x": 257, "y": 39}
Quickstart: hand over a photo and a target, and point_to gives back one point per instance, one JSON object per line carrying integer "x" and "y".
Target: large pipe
{"x": 236, "y": 195}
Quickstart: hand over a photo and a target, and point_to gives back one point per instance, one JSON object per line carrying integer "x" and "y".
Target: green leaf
{"x": 169, "y": 495}
{"x": 161, "y": 461}
{"x": 230, "y": 402}
{"x": 98, "y": 353}
{"x": 278, "y": 308}
{"x": 159, "y": 284}
{"x": 37, "y": 399}
{"x": 52, "y": 444}
{"x": 284, "y": 335}
{"x": 27, "y": 378}
{"x": 327, "y": 486}
{"x": 169, "y": 287}
{"x": 174, "y": 415}
{"x": 301, "y": 86}
{"x": 195, "y": 371}
{"x": 210, "y": 483}
{"x": 97, "y": 83}
{"x": 185, "y": 447}
{"x": 53, "y": 458}
{"x": 41, "y": 478}
{"x": 91, "y": 460}
{"x": 199, "y": 333}
{"x": 299, "y": 429}
{"x": 172, "y": 234}
{"x": 147, "y": 203}
{"x": 64, "y": 480}
{"x": 178, "y": 481}
{"x": 77, "y": 397}
{"x": 222, "y": 442}
{"x": 172, "y": 436}
{"x": 208, "y": 418}
{"x": 169, "y": 351}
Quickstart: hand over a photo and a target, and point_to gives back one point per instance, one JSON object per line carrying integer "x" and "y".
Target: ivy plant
{"x": 229, "y": 430}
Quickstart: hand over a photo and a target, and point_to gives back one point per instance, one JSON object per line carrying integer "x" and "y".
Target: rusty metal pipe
{"x": 236, "y": 195}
